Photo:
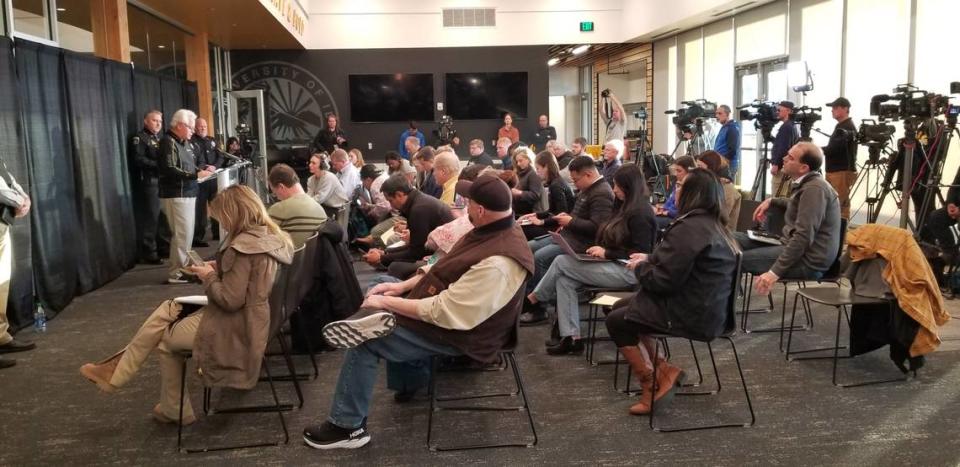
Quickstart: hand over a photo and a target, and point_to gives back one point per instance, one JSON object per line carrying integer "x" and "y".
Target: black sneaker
{"x": 567, "y": 345}
{"x": 329, "y": 436}
{"x": 349, "y": 333}
{"x": 7, "y": 363}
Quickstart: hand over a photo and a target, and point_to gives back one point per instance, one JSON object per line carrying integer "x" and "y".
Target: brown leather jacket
{"x": 233, "y": 332}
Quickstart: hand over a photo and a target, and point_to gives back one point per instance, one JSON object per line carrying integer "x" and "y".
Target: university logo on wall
{"x": 296, "y": 100}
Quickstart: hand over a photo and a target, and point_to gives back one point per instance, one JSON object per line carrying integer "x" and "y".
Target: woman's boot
{"x": 641, "y": 368}
{"x": 669, "y": 378}
{"x": 101, "y": 372}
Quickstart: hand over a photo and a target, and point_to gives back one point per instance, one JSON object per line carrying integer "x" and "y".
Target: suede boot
{"x": 643, "y": 372}
{"x": 100, "y": 373}
{"x": 669, "y": 377}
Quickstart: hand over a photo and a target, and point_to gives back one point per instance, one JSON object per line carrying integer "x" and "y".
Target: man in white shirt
{"x": 324, "y": 187}
{"x": 347, "y": 173}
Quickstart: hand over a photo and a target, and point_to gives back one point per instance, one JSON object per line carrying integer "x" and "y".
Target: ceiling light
{"x": 581, "y": 49}
{"x": 61, "y": 9}
{"x": 161, "y": 46}
{"x": 553, "y": 61}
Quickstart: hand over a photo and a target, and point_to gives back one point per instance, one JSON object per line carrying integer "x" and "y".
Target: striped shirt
{"x": 299, "y": 215}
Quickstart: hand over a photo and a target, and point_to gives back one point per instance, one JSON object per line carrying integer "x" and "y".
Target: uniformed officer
{"x": 210, "y": 159}
{"x": 144, "y": 155}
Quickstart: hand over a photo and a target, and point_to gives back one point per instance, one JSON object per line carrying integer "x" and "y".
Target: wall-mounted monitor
{"x": 396, "y": 97}
{"x": 486, "y": 95}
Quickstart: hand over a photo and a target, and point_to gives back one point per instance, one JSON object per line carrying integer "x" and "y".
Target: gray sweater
{"x": 811, "y": 230}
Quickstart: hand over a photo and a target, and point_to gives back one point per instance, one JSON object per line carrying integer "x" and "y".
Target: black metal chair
{"x": 839, "y": 298}
{"x": 301, "y": 281}
{"x": 729, "y": 331}
{"x": 509, "y": 359}
{"x": 276, "y": 303}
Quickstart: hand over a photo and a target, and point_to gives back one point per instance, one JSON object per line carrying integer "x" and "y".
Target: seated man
{"x": 296, "y": 213}
{"x": 423, "y": 213}
{"x": 466, "y": 304}
{"x": 593, "y": 207}
{"x": 373, "y": 204}
{"x": 937, "y": 229}
{"x": 811, "y": 231}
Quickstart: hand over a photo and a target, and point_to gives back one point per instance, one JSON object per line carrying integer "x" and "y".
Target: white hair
{"x": 559, "y": 145}
{"x": 618, "y": 145}
{"x": 187, "y": 117}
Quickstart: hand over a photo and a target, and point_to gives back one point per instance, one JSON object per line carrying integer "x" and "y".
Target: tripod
{"x": 932, "y": 186}
{"x": 903, "y": 161}
{"x": 869, "y": 176}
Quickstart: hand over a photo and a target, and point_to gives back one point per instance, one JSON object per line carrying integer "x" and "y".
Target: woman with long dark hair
{"x": 228, "y": 335}
{"x": 714, "y": 162}
{"x": 684, "y": 287}
{"x": 559, "y": 195}
{"x": 631, "y": 230}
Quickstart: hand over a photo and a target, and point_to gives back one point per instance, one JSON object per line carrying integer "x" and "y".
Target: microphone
{"x": 230, "y": 156}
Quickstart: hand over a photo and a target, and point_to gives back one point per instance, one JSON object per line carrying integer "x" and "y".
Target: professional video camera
{"x": 765, "y": 116}
{"x": 248, "y": 144}
{"x": 806, "y": 116}
{"x": 445, "y": 131}
{"x": 640, "y": 114}
{"x": 690, "y": 116}
{"x": 605, "y": 93}
{"x": 875, "y": 136}
{"x": 912, "y": 103}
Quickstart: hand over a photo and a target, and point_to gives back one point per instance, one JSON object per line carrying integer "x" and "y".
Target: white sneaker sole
{"x": 347, "y": 334}
{"x": 345, "y": 444}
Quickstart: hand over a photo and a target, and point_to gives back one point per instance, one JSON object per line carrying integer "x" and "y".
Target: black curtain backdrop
{"x": 171, "y": 93}
{"x": 103, "y": 195}
{"x": 20, "y": 302}
{"x": 42, "y": 94}
{"x": 146, "y": 94}
{"x": 190, "y": 96}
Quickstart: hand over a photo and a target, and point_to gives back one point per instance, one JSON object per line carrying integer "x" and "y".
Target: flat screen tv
{"x": 396, "y": 97}
{"x": 486, "y": 95}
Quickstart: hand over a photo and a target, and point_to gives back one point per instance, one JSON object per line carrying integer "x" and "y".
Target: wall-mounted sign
{"x": 586, "y": 26}
{"x": 290, "y": 13}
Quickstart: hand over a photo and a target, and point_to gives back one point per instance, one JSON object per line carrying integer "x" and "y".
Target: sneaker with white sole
{"x": 330, "y": 436}
{"x": 178, "y": 279}
{"x": 349, "y": 333}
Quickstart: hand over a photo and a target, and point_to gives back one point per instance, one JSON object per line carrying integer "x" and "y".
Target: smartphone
{"x": 193, "y": 259}
{"x": 525, "y": 222}
{"x": 624, "y": 261}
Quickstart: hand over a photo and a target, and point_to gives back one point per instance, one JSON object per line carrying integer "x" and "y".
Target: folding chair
{"x": 730, "y": 328}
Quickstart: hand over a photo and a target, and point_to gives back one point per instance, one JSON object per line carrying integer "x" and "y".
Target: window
{"x": 74, "y": 29}
{"x": 155, "y": 44}
{"x": 32, "y": 18}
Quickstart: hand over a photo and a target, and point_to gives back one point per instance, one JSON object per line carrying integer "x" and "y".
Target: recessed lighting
{"x": 61, "y": 9}
{"x": 161, "y": 46}
{"x": 581, "y": 49}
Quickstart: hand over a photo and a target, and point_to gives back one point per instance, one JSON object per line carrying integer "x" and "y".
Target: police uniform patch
{"x": 136, "y": 140}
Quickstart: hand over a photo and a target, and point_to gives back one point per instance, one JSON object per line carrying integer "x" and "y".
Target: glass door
{"x": 248, "y": 123}
{"x": 764, "y": 81}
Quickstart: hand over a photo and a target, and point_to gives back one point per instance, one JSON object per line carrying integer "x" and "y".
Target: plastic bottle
{"x": 40, "y": 318}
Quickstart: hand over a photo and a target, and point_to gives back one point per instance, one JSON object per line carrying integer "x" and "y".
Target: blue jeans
{"x": 566, "y": 275}
{"x": 381, "y": 279}
{"x": 358, "y": 374}
{"x": 544, "y": 252}
{"x": 758, "y": 258}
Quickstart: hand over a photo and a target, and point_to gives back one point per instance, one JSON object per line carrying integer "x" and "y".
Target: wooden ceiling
{"x": 597, "y": 51}
{"x": 232, "y": 24}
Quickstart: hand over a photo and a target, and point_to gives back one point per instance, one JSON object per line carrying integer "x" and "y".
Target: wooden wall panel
{"x": 618, "y": 58}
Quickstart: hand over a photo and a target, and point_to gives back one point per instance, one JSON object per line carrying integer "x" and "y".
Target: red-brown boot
{"x": 644, "y": 373}
{"x": 100, "y": 373}
{"x": 669, "y": 378}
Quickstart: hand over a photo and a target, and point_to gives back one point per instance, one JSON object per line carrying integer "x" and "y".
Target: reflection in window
{"x": 155, "y": 44}
{"x": 32, "y": 17}
{"x": 74, "y": 30}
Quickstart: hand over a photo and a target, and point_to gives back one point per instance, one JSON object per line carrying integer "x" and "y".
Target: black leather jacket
{"x": 178, "y": 168}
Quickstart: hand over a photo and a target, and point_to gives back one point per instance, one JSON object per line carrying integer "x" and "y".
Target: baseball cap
{"x": 488, "y": 191}
{"x": 787, "y": 104}
{"x": 370, "y": 171}
{"x": 840, "y": 102}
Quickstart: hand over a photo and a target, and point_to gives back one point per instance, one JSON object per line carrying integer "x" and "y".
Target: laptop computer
{"x": 764, "y": 237}
{"x": 567, "y": 249}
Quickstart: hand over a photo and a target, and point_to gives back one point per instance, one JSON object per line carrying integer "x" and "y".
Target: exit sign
{"x": 586, "y": 26}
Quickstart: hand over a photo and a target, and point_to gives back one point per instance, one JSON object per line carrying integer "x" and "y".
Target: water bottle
{"x": 40, "y": 319}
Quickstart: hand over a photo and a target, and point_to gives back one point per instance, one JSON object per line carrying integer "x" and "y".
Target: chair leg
{"x": 291, "y": 369}
{"x": 183, "y": 389}
{"x": 310, "y": 351}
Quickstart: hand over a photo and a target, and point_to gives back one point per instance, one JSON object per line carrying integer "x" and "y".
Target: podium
{"x": 226, "y": 177}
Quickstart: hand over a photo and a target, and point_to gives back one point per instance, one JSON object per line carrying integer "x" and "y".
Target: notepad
{"x": 606, "y": 300}
{"x": 200, "y": 300}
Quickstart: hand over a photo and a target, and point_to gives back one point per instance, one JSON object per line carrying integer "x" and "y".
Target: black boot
{"x": 533, "y": 314}
{"x": 554, "y": 335}
{"x": 567, "y": 345}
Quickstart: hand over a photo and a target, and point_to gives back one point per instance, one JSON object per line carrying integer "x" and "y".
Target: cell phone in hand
{"x": 193, "y": 259}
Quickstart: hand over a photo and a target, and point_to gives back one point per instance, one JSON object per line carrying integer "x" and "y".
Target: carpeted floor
{"x": 52, "y": 416}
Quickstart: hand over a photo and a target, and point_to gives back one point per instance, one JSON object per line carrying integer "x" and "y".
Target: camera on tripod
{"x": 765, "y": 116}
{"x": 248, "y": 143}
{"x": 806, "y": 116}
{"x": 912, "y": 102}
{"x": 640, "y": 114}
{"x": 875, "y": 137}
{"x": 689, "y": 118}
{"x": 445, "y": 131}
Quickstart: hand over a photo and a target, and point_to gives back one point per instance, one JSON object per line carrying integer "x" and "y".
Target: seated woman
{"x": 631, "y": 230}
{"x": 559, "y": 195}
{"x": 714, "y": 162}
{"x": 668, "y": 211}
{"x": 526, "y": 196}
{"x": 228, "y": 335}
{"x": 684, "y": 287}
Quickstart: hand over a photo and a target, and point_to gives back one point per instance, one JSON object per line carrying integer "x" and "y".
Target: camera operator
{"x": 841, "y": 154}
{"x": 728, "y": 139}
{"x": 544, "y": 133}
{"x": 330, "y": 137}
{"x": 787, "y": 136}
{"x": 411, "y": 131}
{"x": 939, "y": 222}
{"x": 613, "y": 117}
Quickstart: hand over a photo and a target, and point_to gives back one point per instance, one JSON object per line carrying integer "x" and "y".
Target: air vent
{"x": 732, "y": 10}
{"x": 469, "y": 17}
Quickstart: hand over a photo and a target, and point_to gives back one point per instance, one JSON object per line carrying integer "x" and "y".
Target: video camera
{"x": 248, "y": 144}
{"x": 875, "y": 137}
{"x": 806, "y": 116}
{"x": 912, "y": 103}
{"x": 640, "y": 114}
{"x": 690, "y": 116}
{"x": 445, "y": 131}
{"x": 765, "y": 116}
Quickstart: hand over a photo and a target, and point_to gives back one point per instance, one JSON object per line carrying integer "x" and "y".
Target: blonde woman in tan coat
{"x": 229, "y": 334}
